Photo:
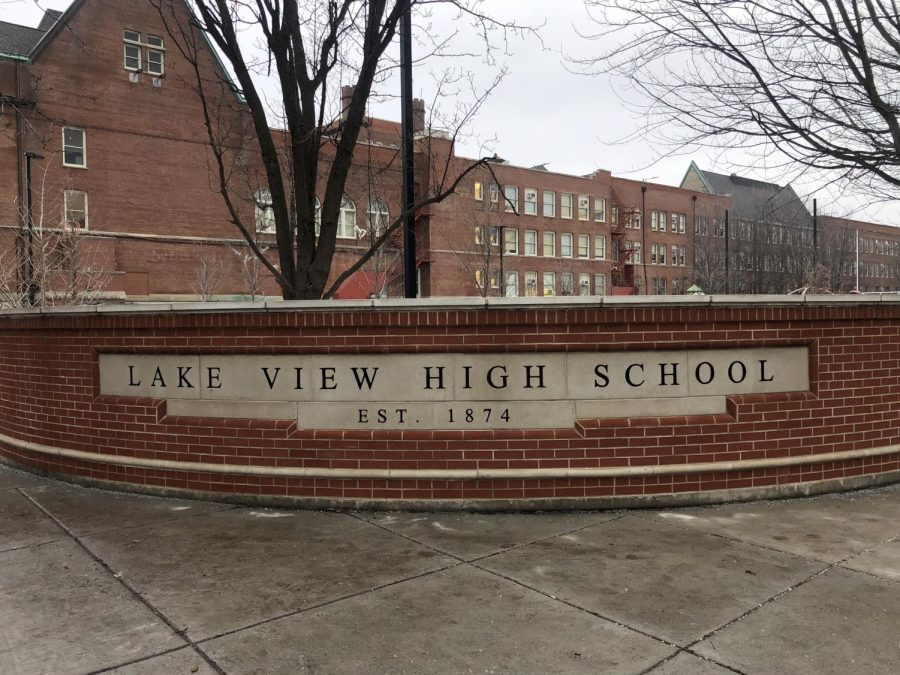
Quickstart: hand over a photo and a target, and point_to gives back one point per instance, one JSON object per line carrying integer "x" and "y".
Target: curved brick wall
{"x": 840, "y": 433}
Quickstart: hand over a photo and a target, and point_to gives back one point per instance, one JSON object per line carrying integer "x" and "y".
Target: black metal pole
{"x": 726, "y": 251}
{"x": 815, "y": 234}
{"x": 31, "y": 288}
{"x": 409, "y": 187}
{"x": 502, "y": 246}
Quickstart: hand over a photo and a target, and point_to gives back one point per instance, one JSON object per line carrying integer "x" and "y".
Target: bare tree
{"x": 308, "y": 49}
{"x": 55, "y": 257}
{"x": 818, "y": 79}
{"x": 209, "y": 272}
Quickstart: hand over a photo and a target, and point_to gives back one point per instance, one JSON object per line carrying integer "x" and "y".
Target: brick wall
{"x": 49, "y": 396}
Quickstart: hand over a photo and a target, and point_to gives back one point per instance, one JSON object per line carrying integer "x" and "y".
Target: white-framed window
{"x": 584, "y": 246}
{"x": 674, "y": 227}
{"x": 531, "y": 205}
{"x": 654, "y": 221}
{"x": 379, "y": 215}
{"x": 682, "y": 223}
{"x": 479, "y": 234}
{"x": 600, "y": 284}
{"x": 494, "y": 193}
{"x": 682, "y": 255}
{"x": 549, "y": 284}
{"x": 567, "y": 283}
{"x": 156, "y": 56}
{"x": 566, "y": 200}
{"x": 495, "y": 236}
{"x": 511, "y": 289}
{"x": 74, "y": 147}
{"x": 637, "y": 256}
{"x": 265, "y": 214}
{"x": 615, "y": 216}
{"x": 347, "y": 220}
{"x": 478, "y": 191}
{"x": 584, "y": 283}
{"x": 584, "y": 207}
{"x": 132, "y": 41}
{"x": 654, "y": 254}
{"x": 531, "y": 279}
{"x": 511, "y": 201}
{"x": 317, "y": 217}
{"x": 549, "y": 204}
{"x": 662, "y": 254}
{"x": 510, "y": 241}
{"x": 674, "y": 257}
{"x": 479, "y": 278}
{"x": 600, "y": 247}
{"x": 565, "y": 245}
{"x": 600, "y": 209}
{"x": 531, "y": 242}
{"x": 549, "y": 244}
{"x": 76, "y": 209}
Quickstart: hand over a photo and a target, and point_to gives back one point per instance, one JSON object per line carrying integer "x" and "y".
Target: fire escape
{"x": 623, "y": 217}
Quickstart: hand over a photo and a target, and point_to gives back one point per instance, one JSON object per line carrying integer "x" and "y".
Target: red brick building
{"x": 103, "y": 96}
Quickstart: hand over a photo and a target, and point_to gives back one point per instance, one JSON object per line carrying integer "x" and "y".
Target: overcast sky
{"x": 542, "y": 113}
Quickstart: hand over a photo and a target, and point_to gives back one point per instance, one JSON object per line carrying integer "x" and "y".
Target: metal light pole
{"x": 32, "y": 287}
{"x": 409, "y": 188}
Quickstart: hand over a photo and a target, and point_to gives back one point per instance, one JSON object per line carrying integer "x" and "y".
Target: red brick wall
{"x": 49, "y": 395}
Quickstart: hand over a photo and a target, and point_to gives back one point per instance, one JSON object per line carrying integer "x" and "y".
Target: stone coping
{"x": 463, "y": 303}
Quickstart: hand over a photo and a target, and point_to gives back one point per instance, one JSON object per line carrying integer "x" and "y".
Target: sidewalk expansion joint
{"x": 180, "y": 632}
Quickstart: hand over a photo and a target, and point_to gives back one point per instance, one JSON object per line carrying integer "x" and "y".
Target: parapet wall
{"x": 462, "y": 403}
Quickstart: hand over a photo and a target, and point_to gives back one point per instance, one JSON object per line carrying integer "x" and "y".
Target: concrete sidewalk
{"x": 93, "y": 581}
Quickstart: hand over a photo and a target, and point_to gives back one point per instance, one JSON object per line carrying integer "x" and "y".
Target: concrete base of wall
{"x": 656, "y": 501}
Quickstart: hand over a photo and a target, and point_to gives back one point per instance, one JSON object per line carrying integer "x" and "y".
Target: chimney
{"x": 418, "y": 120}
{"x": 346, "y": 96}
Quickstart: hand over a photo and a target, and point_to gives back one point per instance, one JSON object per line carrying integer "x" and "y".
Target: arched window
{"x": 347, "y": 222}
{"x": 265, "y": 214}
{"x": 378, "y": 216}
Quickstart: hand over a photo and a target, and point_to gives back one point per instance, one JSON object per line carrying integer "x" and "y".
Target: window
{"x": 378, "y": 216}
{"x": 531, "y": 242}
{"x": 512, "y": 284}
{"x": 530, "y": 284}
{"x": 584, "y": 246}
{"x": 347, "y": 220}
{"x": 662, "y": 221}
{"x": 530, "y": 202}
{"x": 511, "y": 198}
{"x": 682, "y": 223}
{"x": 549, "y": 244}
{"x": 74, "y": 151}
{"x": 638, "y": 254}
{"x": 662, "y": 254}
{"x": 549, "y": 284}
{"x": 600, "y": 284}
{"x": 478, "y": 191}
{"x": 565, "y": 205}
{"x": 510, "y": 241}
{"x": 615, "y": 216}
{"x": 76, "y": 206}
{"x": 654, "y": 221}
{"x": 132, "y": 50}
{"x": 479, "y": 234}
{"x": 659, "y": 285}
{"x": 567, "y": 283}
{"x": 265, "y": 214}
{"x": 565, "y": 245}
{"x": 317, "y": 217}
{"x": 600, "y": 247}
{"x": 682, "y": 255}
{"x": 155, "y": 56}
{"x": 549, "y": 204}
{"x": 495, "y": 193}
{"x": 495, "y": 236}
{"x": 584, "y": 206}
{"x": 584, "y": 284}
{"x": 155, "y": 52}
{"x": 600, "y": 209}
{"x": 674, "y": 257}
{"x": 654, "y": 257}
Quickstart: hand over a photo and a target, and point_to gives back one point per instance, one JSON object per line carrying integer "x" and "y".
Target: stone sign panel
{"x": 454, "y": 391}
